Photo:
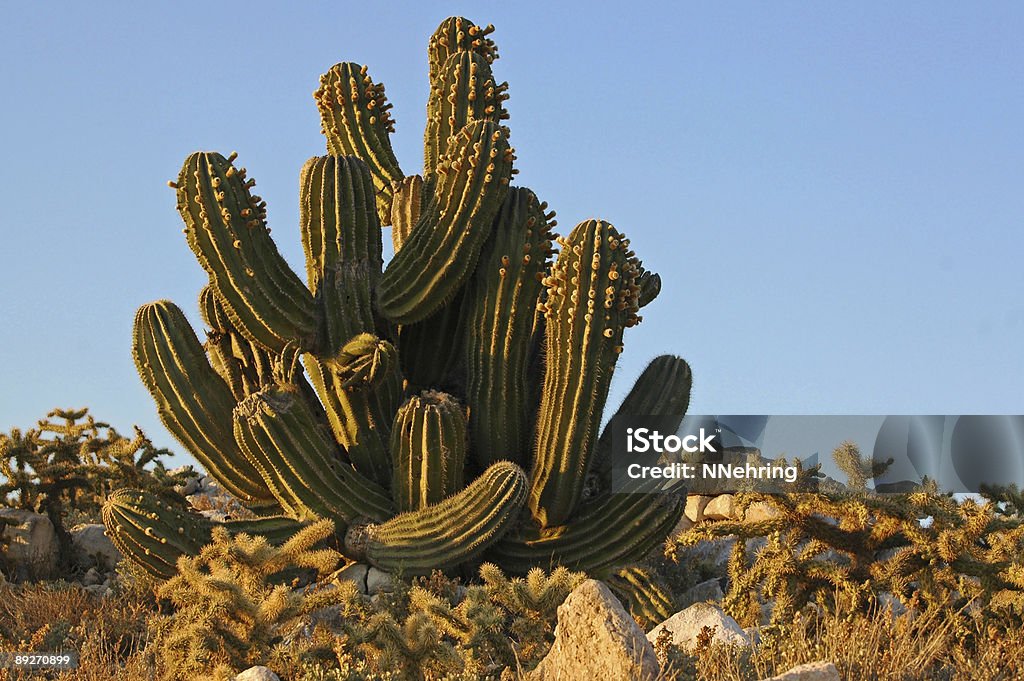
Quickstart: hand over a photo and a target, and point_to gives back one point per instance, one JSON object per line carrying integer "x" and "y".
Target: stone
{"x": 711, "y": 590}
{"x": 97, "y": 590}
{"x": 813, "y": 671}
{"x": 92, "y": 577}
{"x": 722, "y": 507}
{"x": 595, "y": 638}
{"x": 32, "y": 551}
{"x": 760, "y": 511}
{"x": 695, "y": 504}
{"x": 257, "y": 674}
{"x": 369, "y": 579}
{"x": 91, "y": 547}
{"x": 687, "y": 624}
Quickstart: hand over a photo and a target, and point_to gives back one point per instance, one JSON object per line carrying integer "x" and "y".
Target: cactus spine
{"x": 429, "y": 446}
{"x": 591, "y": 299}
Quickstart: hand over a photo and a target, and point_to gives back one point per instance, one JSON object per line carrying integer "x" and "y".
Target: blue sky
{"x": 831, "y": 192}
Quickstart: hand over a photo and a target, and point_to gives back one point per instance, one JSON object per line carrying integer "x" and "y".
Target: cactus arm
{"x": 154, "y": 534}
{"x": 151, "y": 533}
{"x": 591, "y": 299}
{"x": 281, "y": 435}
{"x": 501, "y": 302}
{"x": 619, "y": 532}
{"x": 361, "y": 389}
{"x": 193, "y": 402}
{"x": 663, "y": 389}
{"x": 443, "y": 247}
{"x": 454, "y": 531}
{"x": 646, "y": 597}
{"x": 357, "y": 122}
{"x": 464, "y": 91}
{"x": 226, "y": 228}
{"x": 455, "y": 34}
{"x": 428, "y": 445}
{"x": 341, "y": 238}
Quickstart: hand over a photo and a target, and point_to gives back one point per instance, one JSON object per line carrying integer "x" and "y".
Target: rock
{"x": 92, "y": 547}
{"x": 759, "y": 511}
{"x": 32, "y": 552}
{"x": 695, "y": 504}
{"x": 257, "y": 674}
{"x": 191, "y": 485}
{"x": 887, "y": 601}
{"x": 682, "y": 526}
{"x": 687, "y": 624}
{"x": 215, "y": 515}
{"x": 813, "y": 671}
{"x": 722, "y": 507}
{"x": 753, "y": 635}
{"x": 97, "y": 590}
{"x": 596, "y": 639}
{"x": 711, "y": 590}
{"x": 369, "y": 579}
{"x": 92, "y": 577}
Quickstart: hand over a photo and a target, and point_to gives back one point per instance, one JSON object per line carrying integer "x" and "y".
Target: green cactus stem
{"x": 153, "y": 534}
{"x": 464, "y": 91}
{"x": 431, "y": 350}
{"x": 591, "y": 299}
{"x": 444, "y": 535}
{"x": 193, "y": 402}
{"x": 455, "y": 34}
{"x": 245, "y": 366}
{"x": 443, "y": 247}
{"x": 428, "y": 445}
{"x": 663, "y": 390}
{"x": 411, "y": 195}
{"x": 356, "y": 119}
{"x": 501, "y": 302}
{"x": 341, "y": 238}
{"x": 361, "y": 389}
{"x": 619, "y": 532}
{"x": 226, "y": 228}
{"x": 304, "y": 468}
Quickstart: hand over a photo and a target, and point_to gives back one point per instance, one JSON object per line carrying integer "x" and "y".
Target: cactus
{"x": 429, "y": 449}
{"x": 435, "y": 382}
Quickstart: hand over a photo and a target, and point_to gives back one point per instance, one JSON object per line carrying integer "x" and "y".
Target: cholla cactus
{"x": 923, "y": 548}
{"x": 454, "y": 397}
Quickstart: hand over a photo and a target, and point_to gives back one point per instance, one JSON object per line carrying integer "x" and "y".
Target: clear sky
{"x": 832, "y": 192}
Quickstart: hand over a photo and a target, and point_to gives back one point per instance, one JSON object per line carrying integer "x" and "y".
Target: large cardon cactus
{"x": 440, "y": 410}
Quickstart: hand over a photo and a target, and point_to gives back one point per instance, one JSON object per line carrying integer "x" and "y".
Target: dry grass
{"x": 111, "y": 636}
